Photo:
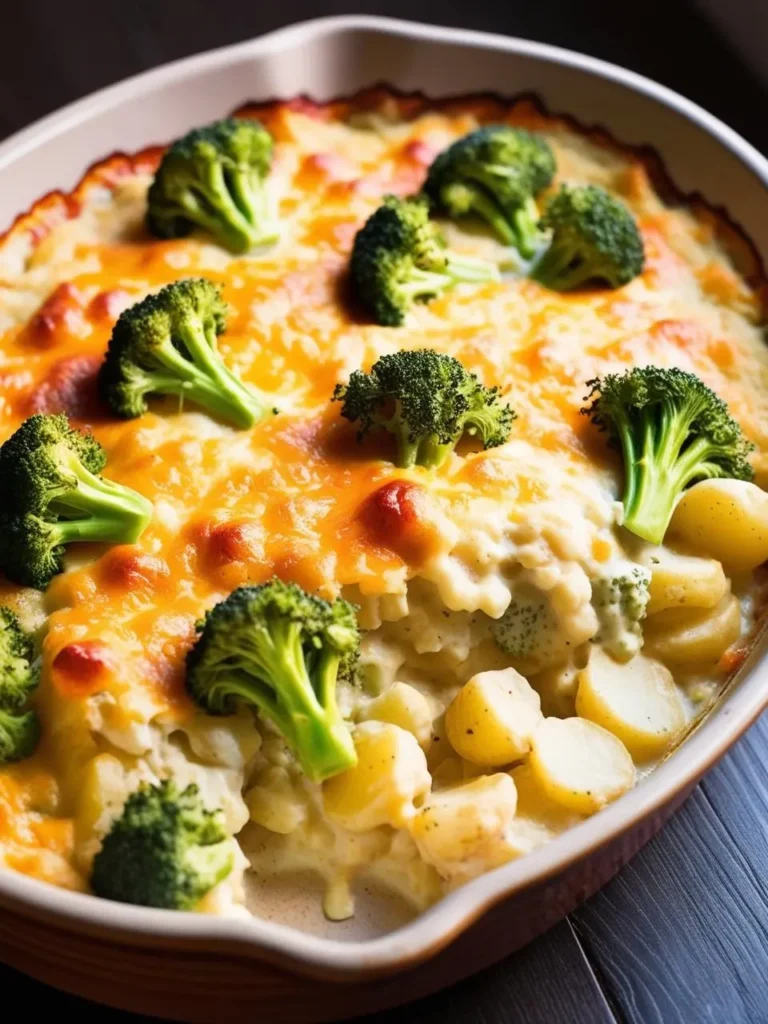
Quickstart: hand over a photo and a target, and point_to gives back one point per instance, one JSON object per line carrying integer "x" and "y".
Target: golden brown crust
{"x": 56, "y": 207}
{"x": 527, "y": 109}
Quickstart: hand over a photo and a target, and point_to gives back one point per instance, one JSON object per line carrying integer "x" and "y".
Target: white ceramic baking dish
{"x": 181, "y": 965}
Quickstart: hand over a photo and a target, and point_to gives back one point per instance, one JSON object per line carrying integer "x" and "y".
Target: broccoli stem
{"x": 420, "y": 283}
{"x": 525, "y": 220}
{"x": 485, "y": 207}
{"x": 468, "y": 268}
{"x": 232, "y": 229}
{"x": 482, "y": 423}
{"x": 324, "y": 745}
{"x": 428, "y": 451}
{"x": 209, "y": 863}
{"x": 205, "y": 380}
{"x": 432, "y": 452}
{"x": 111, "y": 512}
{"x": 517, "y": 226}
{"x": 490, "y": 176}
{"x": 203, "y": 347}
{"x": 95, "y": 529}
{"x": 19, "y": 736}
{"x": 563, "y": 266}
{"x": 243, "y": 231}
{"x": 309, "y": 720}
{"x": 244, "y": 187}
{"x": 656, "y": 479}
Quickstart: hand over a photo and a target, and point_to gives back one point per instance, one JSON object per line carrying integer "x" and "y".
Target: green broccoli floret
{"x": 164, "y": 850}
{"x": 53, "y": 495}
{"x": 19, "y": 736}
{"x": 527, "y": 626}
{"x": 282, "y": 650}
{"x": 495, "y": 173}
{"x": 620, "y": 602}
{"x": 530, "y": 631}
{"x": 19, "y": 676}
{"x": 167, "y": 345}
{"x": 427, "y": 401}
{"x": 19, "y": 670}
{"x": 215, "y": 178}
{"x": 399, "y": 258}
{"x": 671, "y": 430}
{"x": 594, "y": 238}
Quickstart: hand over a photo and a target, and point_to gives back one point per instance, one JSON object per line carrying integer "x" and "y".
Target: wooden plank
{"x": 682, "y": 934}
{"x": 549, "y": 981}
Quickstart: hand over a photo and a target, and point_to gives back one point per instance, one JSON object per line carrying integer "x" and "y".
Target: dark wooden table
{"x": 681, "y": 936}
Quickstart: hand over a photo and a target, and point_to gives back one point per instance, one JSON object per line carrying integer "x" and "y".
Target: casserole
{"x": 221, "y": 82}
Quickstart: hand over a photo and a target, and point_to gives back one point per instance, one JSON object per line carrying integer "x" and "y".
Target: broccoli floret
{"x": 525, "y": 626}
{"x": 215, "y": 178}
{"x": 594, "y": 238}
{"x": 19, "y": 669}
{"x": 19, "y": 736}
{"x": 164, "y": 850}
{"x": 495, "y": 173}
{"x": 529, "y": 631}
{"x": 399, "y": 258}
{"x": 671, "y": 430}
{"x": 166, "y": 344}
{"x": 53, "y": 495}
{"x": 427, "y": 401}
{"x": 620, "y": 602}
{"x": 282, "y": 650}
{"x": 19, "y": 676}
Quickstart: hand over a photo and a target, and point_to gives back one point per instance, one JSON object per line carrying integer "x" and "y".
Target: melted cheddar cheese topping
{"x": 428, "y": 557}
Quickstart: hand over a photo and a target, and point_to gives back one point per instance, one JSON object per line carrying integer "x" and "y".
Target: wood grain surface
{"x": 681, "y": 935}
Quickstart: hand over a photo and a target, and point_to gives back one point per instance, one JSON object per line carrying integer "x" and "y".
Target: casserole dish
{"x": 161, "y": 963}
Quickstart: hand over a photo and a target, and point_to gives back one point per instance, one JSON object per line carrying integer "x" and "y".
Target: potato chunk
{"x": 579, "y": 764}
{"x": 684, "y": 581}
{"x": 405, "y": 706}
{"x": 390, "y": 774}
{"x": 462, "y": 831}
{"x": 104, "y": 788}
{"x": 275, "y": 804}
{"x": 691, "y": 636}
{"x": 727, "y": 519}
{"x": 491, "y": 719}
{"x": 637, "y": 701}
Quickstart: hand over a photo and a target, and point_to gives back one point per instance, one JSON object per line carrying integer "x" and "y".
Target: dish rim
{"x": 436, "y": 927}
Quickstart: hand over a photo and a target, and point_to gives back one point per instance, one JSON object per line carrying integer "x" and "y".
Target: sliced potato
{"x": 579, "y": 764}
{"x": 693, "y": 636}
{"x": 405, "y": 706}
{"x": 390, "y": 775}
{"x": 683, "y": 581}
{"x": 637, "y": 701}
{"x": 727, "y": 519}
{"x": 462, "y": 831}
{"x": 539, "y": 818}
{"x": 491, "y": 719}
